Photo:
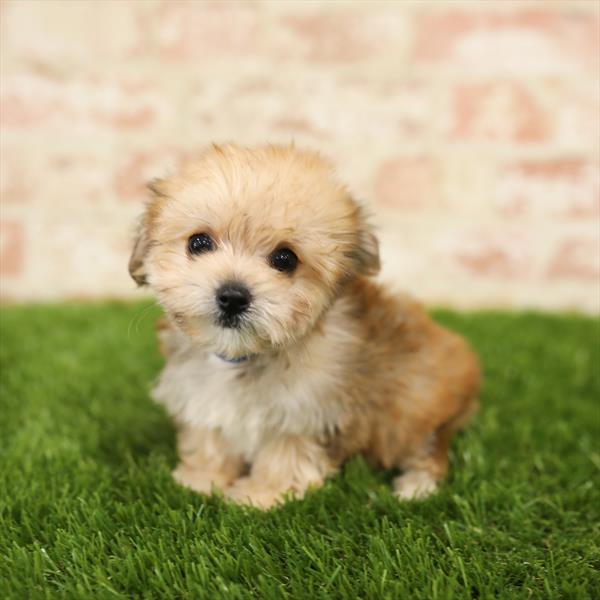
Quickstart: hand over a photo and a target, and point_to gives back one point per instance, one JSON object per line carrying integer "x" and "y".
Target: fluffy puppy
{"x": 283, "y": 356}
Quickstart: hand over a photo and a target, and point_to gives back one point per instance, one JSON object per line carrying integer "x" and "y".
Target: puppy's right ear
{"x": 137, "y": 261}
{"x": 158, "y": 187}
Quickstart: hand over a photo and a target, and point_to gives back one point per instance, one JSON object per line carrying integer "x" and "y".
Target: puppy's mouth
{"x": 235, "y": 339}
{"x": 230, "y": 322}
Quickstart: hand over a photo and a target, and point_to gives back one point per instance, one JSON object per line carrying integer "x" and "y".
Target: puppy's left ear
{"x": 366, "y": 252}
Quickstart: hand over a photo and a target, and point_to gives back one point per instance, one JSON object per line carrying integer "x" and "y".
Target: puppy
{"x": 283, "y": 356}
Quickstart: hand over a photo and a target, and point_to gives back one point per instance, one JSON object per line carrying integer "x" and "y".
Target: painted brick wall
{"x": 471, "y": 127}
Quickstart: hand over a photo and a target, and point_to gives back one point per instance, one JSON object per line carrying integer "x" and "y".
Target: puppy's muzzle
{"x": 233, "y": 299}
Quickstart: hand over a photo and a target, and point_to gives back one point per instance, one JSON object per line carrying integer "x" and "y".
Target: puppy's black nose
{"x": 233, "y": 299}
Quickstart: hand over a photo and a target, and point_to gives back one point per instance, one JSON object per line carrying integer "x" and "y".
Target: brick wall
{"x": 471, "y": 127}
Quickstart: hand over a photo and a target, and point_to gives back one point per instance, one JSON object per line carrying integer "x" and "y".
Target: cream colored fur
{"x": 294, "y": 393}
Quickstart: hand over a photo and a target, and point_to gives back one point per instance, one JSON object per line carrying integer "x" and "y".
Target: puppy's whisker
{"x": 136, "y": 320}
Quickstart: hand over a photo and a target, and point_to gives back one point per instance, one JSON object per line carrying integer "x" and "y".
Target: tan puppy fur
{"x": 331, "y": 363}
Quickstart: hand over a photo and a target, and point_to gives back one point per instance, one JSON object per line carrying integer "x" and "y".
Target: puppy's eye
{"x": 284, "y": 260}
{"x": 199, "y": 243}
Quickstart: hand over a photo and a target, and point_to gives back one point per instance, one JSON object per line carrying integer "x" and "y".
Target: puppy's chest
{"x": 250, "y": 406}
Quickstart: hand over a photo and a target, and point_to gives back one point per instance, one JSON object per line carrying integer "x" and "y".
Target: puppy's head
{"x": 247, "y": 248}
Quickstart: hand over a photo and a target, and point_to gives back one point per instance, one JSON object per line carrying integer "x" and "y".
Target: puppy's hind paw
{"x": 414, "y": 485}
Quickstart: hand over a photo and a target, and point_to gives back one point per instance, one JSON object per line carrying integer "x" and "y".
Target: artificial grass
{"x": 88, "y": 508}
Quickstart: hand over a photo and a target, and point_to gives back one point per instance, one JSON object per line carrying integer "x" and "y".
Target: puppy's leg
{"x": 423, "y": 469}
{"x": 286, "y": 464}
{"x": 427, "y": 465}
{"x": 204, "y": 460}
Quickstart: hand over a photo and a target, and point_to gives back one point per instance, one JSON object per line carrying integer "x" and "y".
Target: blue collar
{"x": 235, "y": 361}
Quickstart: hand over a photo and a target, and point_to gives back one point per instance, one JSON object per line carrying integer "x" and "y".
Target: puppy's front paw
{"x": 246, "y": 491}
{"x": 414, "y": 485}
{"x": 198, "y": 480}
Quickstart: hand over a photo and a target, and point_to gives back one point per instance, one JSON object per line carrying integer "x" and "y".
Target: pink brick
{"x": 16, "y": 181}
{"x": 12, "y": 248}
{"x": 574, "y": 108}
{"x": 492, "y": 254}
{"x": 529, "y": 39}
{"x": 538, "y": 188}
{"x": 314, "y": 108}
{"x": 295, "y": 125}
{"x": 498, "y": 110}
{"x": 21, "y": 109}
{"x": 59, "y": 36}
{"x": 329, "y": 36}
{"x": 33, "y": 100}
{"x": 407, "y": 106}
{"x": 182, "y": 29}
{"x": 134, "y": 173}
{"x": 577, "y": 259}
{"x": 406, "y": 183}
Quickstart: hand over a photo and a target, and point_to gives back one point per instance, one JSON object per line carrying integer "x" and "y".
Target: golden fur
{"x": 338, "y": 366}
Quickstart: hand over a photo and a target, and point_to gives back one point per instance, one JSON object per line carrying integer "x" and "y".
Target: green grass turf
{"x": 88, "y": 508}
